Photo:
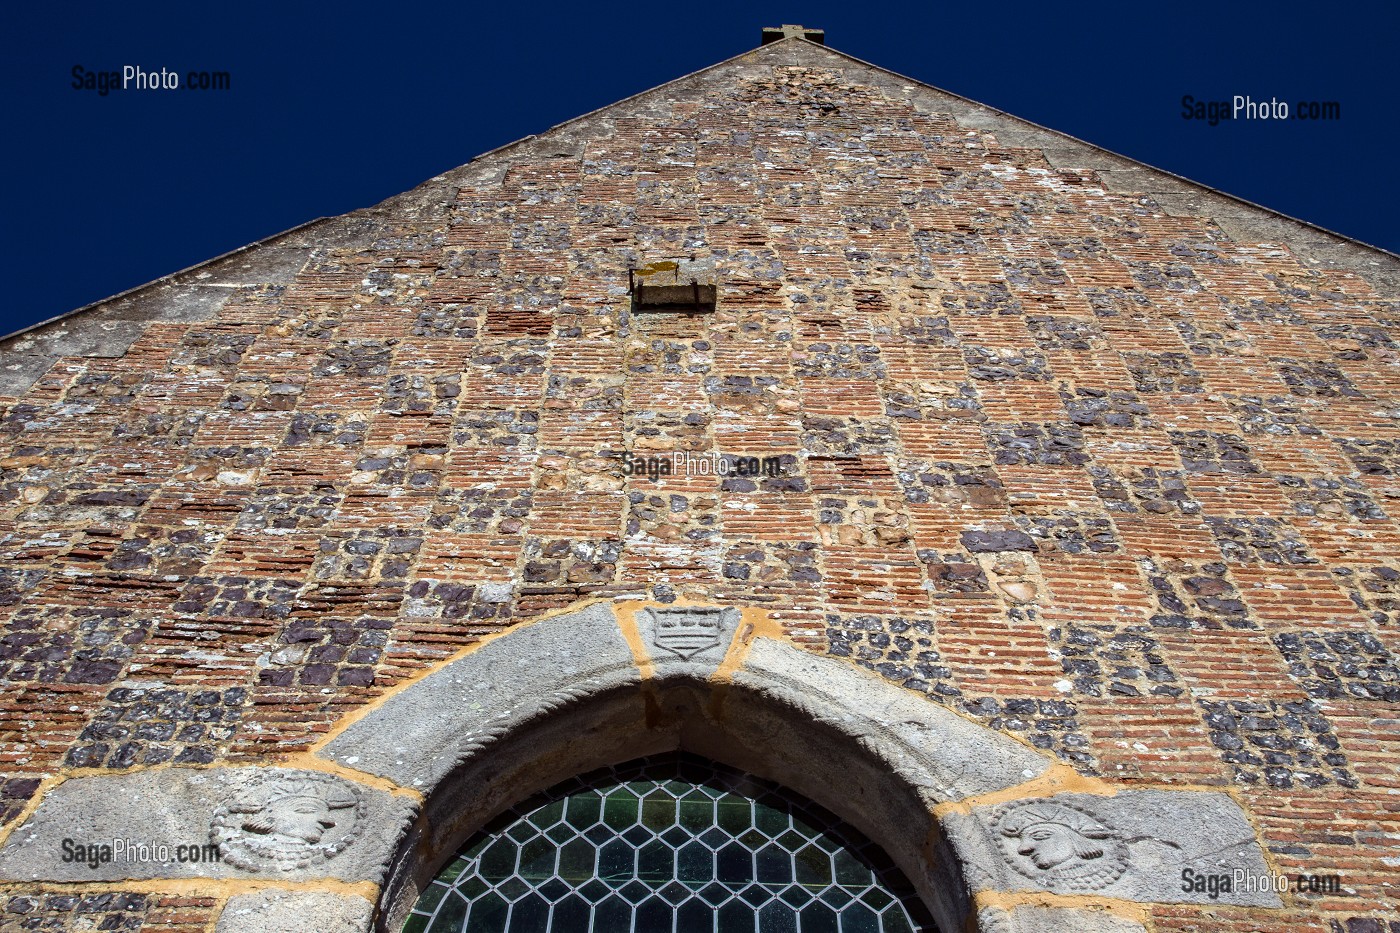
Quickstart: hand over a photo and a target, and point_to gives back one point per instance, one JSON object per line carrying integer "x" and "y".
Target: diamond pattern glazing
{"x": 669, "y": 844}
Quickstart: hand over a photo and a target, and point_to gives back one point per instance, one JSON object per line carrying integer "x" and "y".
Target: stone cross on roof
{"x": 789, "y": 31}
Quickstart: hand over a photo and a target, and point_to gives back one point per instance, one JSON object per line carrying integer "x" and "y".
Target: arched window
{"x": 669, "y": 844}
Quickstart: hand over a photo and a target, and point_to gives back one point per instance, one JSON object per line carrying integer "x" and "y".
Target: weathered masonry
{"x": 333, "y": 599}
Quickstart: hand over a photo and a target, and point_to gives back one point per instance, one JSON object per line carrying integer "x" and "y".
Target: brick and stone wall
{"x": 1085, "y": 468}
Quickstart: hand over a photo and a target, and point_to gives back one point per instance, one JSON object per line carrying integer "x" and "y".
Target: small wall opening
{"x": 685, "y": 286}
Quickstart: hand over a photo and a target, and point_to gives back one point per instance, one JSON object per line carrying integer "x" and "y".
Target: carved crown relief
{"x": 686, "y": 631}
{"x": 287, "y": 820}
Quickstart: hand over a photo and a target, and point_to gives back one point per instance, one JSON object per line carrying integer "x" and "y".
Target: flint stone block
{"x": 946, "y": 756}
{"x": 179, "y": 807}
{"x": 989, "y": 542}
{"x": 295, "y": 912}
{"x": 1028, "y": 919}
{"x": 1134, "y": 845}
{"x": 417, "y": 736}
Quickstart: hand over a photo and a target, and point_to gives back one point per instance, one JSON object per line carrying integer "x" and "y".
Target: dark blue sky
{"x": 337, "y": 106}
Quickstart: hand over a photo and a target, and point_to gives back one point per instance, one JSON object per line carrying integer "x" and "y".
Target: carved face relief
{"x": 304, "y": 818}
{"x": 287, "y": 820}
{"x": 1060, "y": 845}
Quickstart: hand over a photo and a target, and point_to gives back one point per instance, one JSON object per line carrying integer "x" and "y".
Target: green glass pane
{"x": 431, "y": 897}
{"x": 594, "y": 891}
{"x": 656, "y": 863}
{"x": 850, "y": 872}
{"x": 612, "y": 914}
{"x": 512, "y": 889}
{"x": 769, "y": 821}
{"x": 654, "y": 914}
{"x": 777, "y": 917}
{"x": 694, "y": 917}
{"x": 658, "y": 812}
{"x": 474, "y": 848}
{"x": 697, "y": 813}
{"x": 620, "y": 810}
{"x": 547, "y": 815}
{"x": 753, "y": 839}
{"x": 735, "y": 814}
{"x": 415, "y": 924}
{"x": 736, "y": 917}
{"x": 449, "y": 915}
{"x": 529, "y": 915}
{"x": 537, "y": 859}
{"x": 571, "y": 915}
{"x": 577, "y": 861}
{"x": 711, "y": 790}
{"x": 812, "y": 866}
{"x": 735, "y": 864}
{"x": 498, "y": 862}
{"x": 774, "y": 866}
{"x": 584, "y": 810}
{"x": 489, "y": 915}
{"x": 616, "y": 862}
{"x": 818, "y": 918}
{"x": 857, "y": 918}
{"x": 895, "y": 921}
{"x": 695, "y": 864}
{"x": 804, "y": 827}
{"x": 458, "y": 865}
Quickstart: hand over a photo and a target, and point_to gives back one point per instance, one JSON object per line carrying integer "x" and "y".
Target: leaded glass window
{"x": 669, "y": 844}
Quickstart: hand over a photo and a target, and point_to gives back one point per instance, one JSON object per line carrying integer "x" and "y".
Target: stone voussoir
{"x": 947, "y": 756}
{"x": 421, "y": 733}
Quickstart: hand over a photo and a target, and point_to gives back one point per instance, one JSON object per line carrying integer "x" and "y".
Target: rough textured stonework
{"x": 1086, "y": 454}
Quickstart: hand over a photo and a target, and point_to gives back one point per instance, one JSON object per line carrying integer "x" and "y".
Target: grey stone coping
{"x": 235, "y": 823}
{"x": 418, "y": 735}
{"x": 277, "y": 911}
{"x": 1245, "y": 222}
{"x": 276, "y": 259}
{"x": 946, "y": 756}
{"x": 109, "y": 327}
{"x": 1134, "y": 845}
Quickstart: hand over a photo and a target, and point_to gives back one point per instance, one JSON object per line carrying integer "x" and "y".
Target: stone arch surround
{"x": 406, "y": 780}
